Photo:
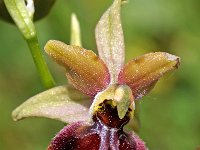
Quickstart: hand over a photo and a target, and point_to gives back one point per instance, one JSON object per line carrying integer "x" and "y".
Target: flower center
{"x": 108, "y": 115}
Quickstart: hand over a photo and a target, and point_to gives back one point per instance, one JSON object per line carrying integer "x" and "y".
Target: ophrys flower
{"x": 102, "y": 102}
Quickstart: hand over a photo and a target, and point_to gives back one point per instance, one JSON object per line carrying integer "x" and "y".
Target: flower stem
{"x": 22, "y": 16}
{"x": 40, "y": 63}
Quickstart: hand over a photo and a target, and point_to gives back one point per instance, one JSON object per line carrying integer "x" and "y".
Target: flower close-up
{"x": 99, "y": 100}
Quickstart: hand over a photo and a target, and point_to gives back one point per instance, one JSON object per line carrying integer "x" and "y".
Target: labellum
{"x": 105, "y": 133}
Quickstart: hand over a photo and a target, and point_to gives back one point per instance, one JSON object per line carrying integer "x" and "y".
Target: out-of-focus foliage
{"x": 170, "y": 116}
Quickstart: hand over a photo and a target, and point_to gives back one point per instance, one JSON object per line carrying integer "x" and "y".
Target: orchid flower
{"x": 100, "y": 99}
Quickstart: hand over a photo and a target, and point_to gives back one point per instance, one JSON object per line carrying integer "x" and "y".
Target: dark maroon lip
{"x": 98, "y": 136}
{"x": 104, "y": 133}
{"x": 108, "y": 115}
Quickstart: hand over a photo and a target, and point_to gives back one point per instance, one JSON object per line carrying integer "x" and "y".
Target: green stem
{"x": 22, "y": 17}
{"x": 40, "y": 63}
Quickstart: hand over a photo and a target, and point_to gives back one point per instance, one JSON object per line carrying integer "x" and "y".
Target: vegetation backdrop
{"x": 169, "y": 116}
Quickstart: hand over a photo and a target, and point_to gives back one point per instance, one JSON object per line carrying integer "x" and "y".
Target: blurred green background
{"x": 169, "y": 116}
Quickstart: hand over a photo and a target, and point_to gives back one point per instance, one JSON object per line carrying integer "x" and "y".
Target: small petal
{"x": 142, "y": 73}
{"x": 85, "y": 70}
{"x": 110, "y": 40}
{"x": 62, "y": 103}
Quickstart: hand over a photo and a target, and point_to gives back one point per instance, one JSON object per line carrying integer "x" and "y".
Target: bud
{"x": 42, "y": 8}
